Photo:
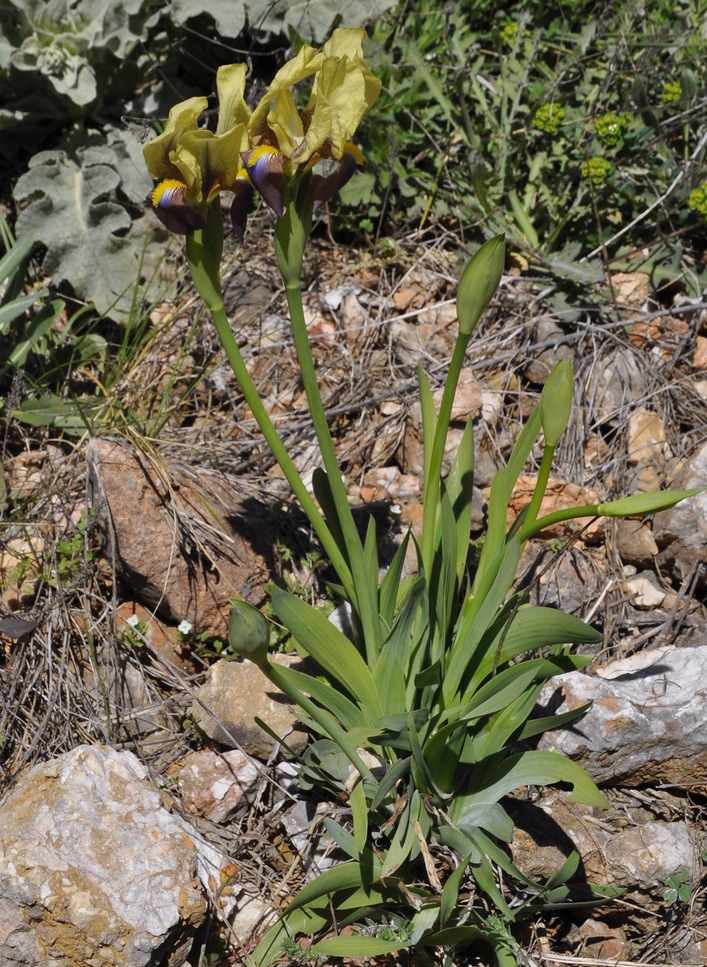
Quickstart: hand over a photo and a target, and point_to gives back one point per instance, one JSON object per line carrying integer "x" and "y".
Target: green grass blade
{"x": 390, "y": 585}
{"x": 459, "y": 487}
{"x": 429, "y": 422}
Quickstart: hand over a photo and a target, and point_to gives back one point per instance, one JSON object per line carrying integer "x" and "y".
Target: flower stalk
{"x": 291, "y": 234}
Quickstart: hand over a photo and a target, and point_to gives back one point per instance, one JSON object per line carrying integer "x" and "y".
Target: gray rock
{"x": 635, "y": 542}
{"x": 539, "y": 368}
{"x": 637, "y": 854}
{"x": 681, "y": 532}
{"x": 647, "y": 723}
{"x": 215, "y": 785}
{"x": 229, "y": 700}
{"x": 614, "y": 385}
{"x": 571, "y": 580}
{"x": 93, "y": 870}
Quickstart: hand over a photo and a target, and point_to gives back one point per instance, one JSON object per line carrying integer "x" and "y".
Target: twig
{"x": 605, "y": 962}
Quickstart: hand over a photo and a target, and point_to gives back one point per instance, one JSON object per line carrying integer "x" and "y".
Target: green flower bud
{"x": 556, "y": 402}
{"x": 478, "y": 283}
{"x": 248, "y": 633}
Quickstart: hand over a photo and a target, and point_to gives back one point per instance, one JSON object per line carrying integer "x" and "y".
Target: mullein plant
{"x": 423, "y": 720}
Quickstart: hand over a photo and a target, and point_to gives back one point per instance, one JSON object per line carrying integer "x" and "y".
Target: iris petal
{"x": 176, "y": 214}
{"x": 265, "y": 168}
{"x": 324, "y": 186}
{"x": 242, "y": 202}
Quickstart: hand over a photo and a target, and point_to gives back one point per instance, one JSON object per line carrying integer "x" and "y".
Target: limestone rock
{"x": 573, "y": 580}
{"x": 559, "y": 495}
{"x": 412, "y": 341}
{"x": 468, "y": 398}
{"x": 614, "y": 385}
{"x": 646, "y": 438}
{"x": 637, "y": 856}
{"x": 539, "y": 368}
{"x": 93, "y": 870}
{"x": 644, "y": 591}
{"x": 632, "y": 288}
{"x": 648, "y": 721}
{"x": 389, "y": 484}
{"x": 681, "y": 532}
{"x": 185, "y": 548}
{"x": 215, "y": 784}
{"x": 228, "y": 702}
{"x": 635, "y": 542}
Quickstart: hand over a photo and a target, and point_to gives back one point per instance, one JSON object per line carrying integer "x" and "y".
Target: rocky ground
{"x": 121, "y": 730}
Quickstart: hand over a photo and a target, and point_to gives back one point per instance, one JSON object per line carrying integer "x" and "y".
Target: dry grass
{"x": 64, "y": 681}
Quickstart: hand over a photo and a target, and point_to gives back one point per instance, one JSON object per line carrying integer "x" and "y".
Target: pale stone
{"x": 468, "y": 398}
{"x": 388, "y": 483}
{"x": 214, "y": 784}
{"x": 491, "y": 406}
{"x": 699, "y": 360}
{"x": 631, "y": 288}
{"x": 646, "y": 437}
{"x": 644, "y": 591}
{"x": 647, "y": 722}
{"x": 637, "y": 857}
{"x": 681, "y": 532}
{"x": 93, "y": 870}
{"x": 233, "y": 695}
{"x": 559, "y": 495}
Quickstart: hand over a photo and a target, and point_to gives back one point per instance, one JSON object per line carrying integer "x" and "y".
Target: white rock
{"x": 644, "y": 591}
{"x": 647, "y": 723}
{"x": 93, "y": 869}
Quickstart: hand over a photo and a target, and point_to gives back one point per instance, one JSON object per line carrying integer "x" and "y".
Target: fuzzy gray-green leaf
{"x": 91, "y": 241}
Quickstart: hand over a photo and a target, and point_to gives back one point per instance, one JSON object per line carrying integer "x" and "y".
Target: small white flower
{"x": 133, "y": 621}
{"x": 185, "y": 628}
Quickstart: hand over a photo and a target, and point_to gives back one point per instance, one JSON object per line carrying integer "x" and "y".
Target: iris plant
{"x": 296, "y": 152}
{"x": 442, "y": 677}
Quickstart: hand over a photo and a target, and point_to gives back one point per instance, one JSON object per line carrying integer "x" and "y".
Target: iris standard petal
{"x": 230, "y": 86}
{"x": 285, "y": 123}
{"x": 158, "y": 152}
{"x": 303, "y": 65}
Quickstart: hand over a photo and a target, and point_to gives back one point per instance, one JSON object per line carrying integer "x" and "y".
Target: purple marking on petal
{"x": 240, "y": 207}
{"x": 265, "y": 170}
{"x": 324, "y": 186}
{"x": 174, "y": 214}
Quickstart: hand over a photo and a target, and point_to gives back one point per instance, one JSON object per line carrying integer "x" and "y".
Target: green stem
{"x": 204, "y": 248}
{"x": 530, "y": 528}
{"x": 291, "y": 235}
{"x": 366, "y": 608}
{"x": 433, "y": 481}
{"x": 540, "y": 488}
{"x": 272, "y": 438}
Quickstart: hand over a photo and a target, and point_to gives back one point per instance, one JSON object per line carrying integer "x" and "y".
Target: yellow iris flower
{"x": 268, "y": 147}
{"x": 191, "y": 165}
